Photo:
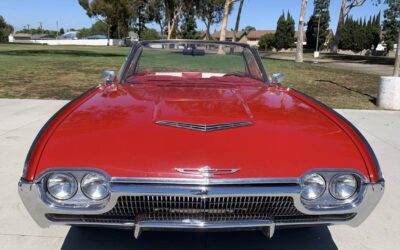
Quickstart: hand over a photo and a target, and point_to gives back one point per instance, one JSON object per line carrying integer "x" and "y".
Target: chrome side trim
{"x": 204, "y": 127}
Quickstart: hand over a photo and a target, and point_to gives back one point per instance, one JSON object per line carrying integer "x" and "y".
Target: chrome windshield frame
{"x": 136, "y": 46}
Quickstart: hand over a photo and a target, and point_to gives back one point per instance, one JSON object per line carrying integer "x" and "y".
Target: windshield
{"x": 190, "y": 59}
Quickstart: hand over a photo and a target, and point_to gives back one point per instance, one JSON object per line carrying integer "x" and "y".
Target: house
{"x": 228, "y": 36}
{"x": 21, "y": 36}
{"x": 251, "y": 37}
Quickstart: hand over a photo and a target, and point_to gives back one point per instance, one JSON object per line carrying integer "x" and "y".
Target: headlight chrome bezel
{"x": 332, "y": 184}
{"x": 96, "y": 178}
{"x": 73, "y": 183}
{"x": 308, "y": 178}
{"x": 327, "y": 200}
{"x": 79, "y": 199}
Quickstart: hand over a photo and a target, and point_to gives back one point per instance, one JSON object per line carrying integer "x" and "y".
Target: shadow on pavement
{"x": 100, "y": 238}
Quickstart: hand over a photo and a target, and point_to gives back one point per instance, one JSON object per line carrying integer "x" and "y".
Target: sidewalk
{"x": 358, "y": 66}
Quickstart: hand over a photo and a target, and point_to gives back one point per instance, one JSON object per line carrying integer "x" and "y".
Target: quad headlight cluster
{"x": 340, "y": 186}
{"x": 64, "y": 186}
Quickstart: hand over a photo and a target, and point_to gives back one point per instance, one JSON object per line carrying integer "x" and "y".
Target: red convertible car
{"x": 195, "y": 135}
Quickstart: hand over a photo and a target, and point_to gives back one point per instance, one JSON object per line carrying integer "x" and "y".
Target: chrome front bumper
{"x": 39, "y": 206}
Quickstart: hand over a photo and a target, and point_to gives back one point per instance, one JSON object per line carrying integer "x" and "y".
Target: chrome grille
{"x": 204, "y": 127}
{"x": 204, "y": 208}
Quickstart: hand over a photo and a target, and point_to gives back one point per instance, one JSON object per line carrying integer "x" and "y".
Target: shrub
{"x": 267, "y": 42}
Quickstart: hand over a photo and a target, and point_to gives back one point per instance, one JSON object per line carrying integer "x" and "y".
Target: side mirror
{"x": 108, "y": 76}
{"x": 278, "y": 78}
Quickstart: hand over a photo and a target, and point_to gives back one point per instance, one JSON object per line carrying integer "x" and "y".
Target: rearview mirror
{"x": 108, "y": 75}
{"x": 277, "y": 78}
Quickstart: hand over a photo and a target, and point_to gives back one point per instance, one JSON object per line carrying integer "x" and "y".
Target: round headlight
{"x": 95, "y": 186}
{"x": 343, "y": 186}
{"x": 62, "y": 186}
{"x": 313, "y": 186}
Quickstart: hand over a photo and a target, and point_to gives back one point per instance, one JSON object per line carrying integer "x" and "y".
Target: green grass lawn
{"x": 63, "y": 72}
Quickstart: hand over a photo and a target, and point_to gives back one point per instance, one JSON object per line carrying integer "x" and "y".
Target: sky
{"x": 262, "y": 14}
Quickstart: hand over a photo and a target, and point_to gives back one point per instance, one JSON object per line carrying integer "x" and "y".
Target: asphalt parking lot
{"x": 20, "y": 120}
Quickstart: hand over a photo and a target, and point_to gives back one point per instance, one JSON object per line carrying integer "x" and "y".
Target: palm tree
{"x": 224, "y": 25}
{"x": 300, "y": 32}
{"x": 238, "y": 20}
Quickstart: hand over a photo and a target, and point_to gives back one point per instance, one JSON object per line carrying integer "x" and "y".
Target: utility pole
{"x": 319, "y": 23}
{"x": 57, "y": 30}
{"x": 316, "y": 52}
{"x": 28, "y": 27}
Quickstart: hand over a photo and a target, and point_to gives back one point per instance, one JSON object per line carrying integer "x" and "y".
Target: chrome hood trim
{"x": 204, "y": 127}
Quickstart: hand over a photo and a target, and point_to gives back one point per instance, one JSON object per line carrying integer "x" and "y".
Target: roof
{"x": 259, "y": 33}
{"x": 22, "y": 35}
{"x": 228, "y": 34}
{"x": 253, "y": 34}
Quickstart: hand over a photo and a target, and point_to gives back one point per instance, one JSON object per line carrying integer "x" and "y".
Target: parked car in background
{"x": 196, "y": 135}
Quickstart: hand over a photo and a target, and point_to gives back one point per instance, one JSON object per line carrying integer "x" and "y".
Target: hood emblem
{"x": 206, "y": 171}
{"x": 204, "y": 127}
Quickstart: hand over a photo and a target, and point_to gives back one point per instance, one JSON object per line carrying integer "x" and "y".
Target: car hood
{"x": 117, "y": 130}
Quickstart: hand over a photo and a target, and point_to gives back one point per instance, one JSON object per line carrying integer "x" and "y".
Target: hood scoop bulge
{"x": 205, "y": 127}
{"x": 202, "y": 109}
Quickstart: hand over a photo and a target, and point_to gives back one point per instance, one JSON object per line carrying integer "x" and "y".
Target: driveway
{"x": 20, "y": 120}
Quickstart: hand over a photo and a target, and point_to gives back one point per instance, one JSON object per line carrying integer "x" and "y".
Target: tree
{"x": 150, "y": 34}
{"x": 39, "y": 31}
{"x": 227, "y": 10}
{"x": 98, "y": 28}
{"x": 188, "y": 26}
{"x": 156, "y": 13}
{"x": 210, "y": 12}
{"x": 267, "y": 41}
{"x": 115, "y": 14}
{"x": 346, "y": 7}
{"x": 280, "y": 34}
{"x": 360, "y": 34}
{"x": 5, "y": 29}
{"x": 235, "y": 31}
{"x": 290, "y": 31}
{"x": 285, "y": 32}
{"x": 248, "y": 28}
{"x": 141, "y": 14}
{"x": 318, "y": 25}
{"x": 173, "y": 9}
{"x": 392, "y": 27}
{"x": 300, "y": 32}
{"x": 62, "y": 32}
{"x": 391, "y": 23}
{"x": 373, "y": 31}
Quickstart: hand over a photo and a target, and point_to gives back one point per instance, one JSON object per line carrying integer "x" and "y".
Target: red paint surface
{"x": 114, "y": 129}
